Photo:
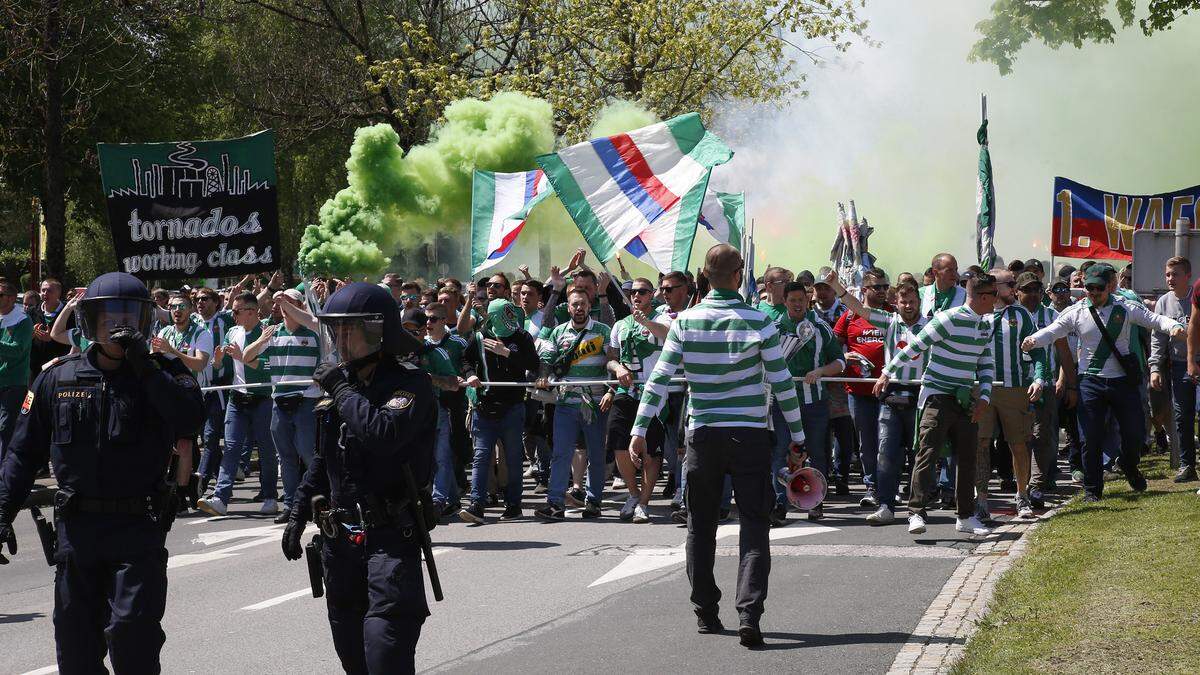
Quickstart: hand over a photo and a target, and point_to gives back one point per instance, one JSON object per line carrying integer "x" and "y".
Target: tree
{"x": 1057, "y": 22}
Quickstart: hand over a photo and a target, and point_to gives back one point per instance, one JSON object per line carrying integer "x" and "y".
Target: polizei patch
{"x": 400, "y": 400}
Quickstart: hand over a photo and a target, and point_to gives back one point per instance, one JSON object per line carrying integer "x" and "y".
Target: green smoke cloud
{"x": 620, "y": 116}
{"x": 393, "y": 198}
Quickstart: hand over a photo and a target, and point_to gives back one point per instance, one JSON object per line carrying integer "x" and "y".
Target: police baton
{"x": 422, "y": 528}
{"x": 46, "y": 533}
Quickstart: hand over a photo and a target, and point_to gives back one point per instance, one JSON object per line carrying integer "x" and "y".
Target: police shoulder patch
{"x": 400, "y": 400}
{"x": 323, "y": 404}
{"x": 28, "y": 403}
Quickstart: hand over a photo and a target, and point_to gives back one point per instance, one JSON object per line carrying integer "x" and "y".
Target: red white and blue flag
{"x": 500, "y": 204}
{"x": 642, "y": 190}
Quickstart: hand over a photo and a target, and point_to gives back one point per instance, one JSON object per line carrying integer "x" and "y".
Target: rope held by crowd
{"x": 560, "y": 383}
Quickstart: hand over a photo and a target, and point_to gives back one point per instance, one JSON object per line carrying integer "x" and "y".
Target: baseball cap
{"x": 1100, "y": 273}
{"x": 1034, "y": 262}
{"x": 821, "y": 274}
{"x": 293, "y": 294}
{"x": 1059, "y": 286}
{"x": 806, "y": 278}
{"x": 1027, "y": 278}
{"x": 1065, "y": 271}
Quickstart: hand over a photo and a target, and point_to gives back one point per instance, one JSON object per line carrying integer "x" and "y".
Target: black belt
{"x": 129, "y": 506}
{"x": 384, "y": 513}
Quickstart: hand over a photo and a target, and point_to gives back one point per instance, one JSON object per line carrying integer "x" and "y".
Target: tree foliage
{"x": 1059, "y": 22}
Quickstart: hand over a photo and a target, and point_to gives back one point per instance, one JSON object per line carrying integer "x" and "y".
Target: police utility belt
{"x": 368, "y": 514}
{"x": 67, "y": 504}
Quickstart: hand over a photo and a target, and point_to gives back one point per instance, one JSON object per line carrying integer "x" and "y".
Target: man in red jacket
{"x": 864, "y": 358}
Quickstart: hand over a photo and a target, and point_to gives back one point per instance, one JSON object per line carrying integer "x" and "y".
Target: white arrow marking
{"x": 257, "y": 535}
{"x": 645, "y": 560}
{"x": 278, "y": 600}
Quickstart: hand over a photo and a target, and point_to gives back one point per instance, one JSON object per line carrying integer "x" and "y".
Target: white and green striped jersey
{"x": 1014, "y": 367}
{"x": 293, "y": 355}
{"x": 637, "y": 349}
{"x": 896, "y": 336}
{"x": 588, "y": 361}
{"x": 193, "y": 340}
{"x": 810, "y": 345}
{"x": 1043, "y": 317}
{"x": 726, "y": 349}
{"x": 959, "y": 344}
{"x": 933, "y": 301}
{"x": 218, "y": 325}
{"x": 242, "y": 374}
{"x": 665, "y": 315}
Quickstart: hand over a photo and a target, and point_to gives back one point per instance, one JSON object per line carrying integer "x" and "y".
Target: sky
{"x": 893, "y": 126}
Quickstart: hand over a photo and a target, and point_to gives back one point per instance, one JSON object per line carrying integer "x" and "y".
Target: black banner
{"x": 192, "y": 209}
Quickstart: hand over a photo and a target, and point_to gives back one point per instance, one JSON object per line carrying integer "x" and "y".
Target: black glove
{"x": 137, "y": 354}
{"x": 7, "y": 535}
{"x": 292, "y": 549}
{"x": 331, "y": 378}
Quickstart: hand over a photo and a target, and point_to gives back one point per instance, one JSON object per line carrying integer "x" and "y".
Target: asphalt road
{"x": 582, "y": 596}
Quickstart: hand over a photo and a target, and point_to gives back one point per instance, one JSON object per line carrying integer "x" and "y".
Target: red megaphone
{"x": 806, "y": 487}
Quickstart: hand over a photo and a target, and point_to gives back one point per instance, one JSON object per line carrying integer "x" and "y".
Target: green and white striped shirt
{"x": 588, "y": 362}
{"x": 193, "y": 340}
{"x": 1043, "y": 317}
{"x": 959, "y": 344}
{"x": 637, "y": 349}
{"x": 896, "y": 336}
{"x": 726, "y": 348}
{"x": 814, "y": 346}
{"x": 1014, "y": 367}
{"x": 293, "y": 356}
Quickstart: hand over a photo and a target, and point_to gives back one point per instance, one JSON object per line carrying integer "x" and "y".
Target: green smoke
{"x": 393, "y": 198}
{"x": 620, "y": 116}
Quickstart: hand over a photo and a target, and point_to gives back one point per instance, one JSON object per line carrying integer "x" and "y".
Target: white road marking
{"x": 210, "y": 519}
{"x": 650, "y": 559}
{"x": 42, "y": 671}
{"x": 278, "y": 600}
{"x": 258, "y": 536}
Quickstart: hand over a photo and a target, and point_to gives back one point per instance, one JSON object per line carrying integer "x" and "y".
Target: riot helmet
{"x": 115, "y": 301}
{"x": 364, "y": 321}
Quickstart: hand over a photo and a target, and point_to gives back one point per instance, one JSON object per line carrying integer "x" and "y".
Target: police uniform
{"x": 366, "y": 432}
{"x": 109, "y": 435}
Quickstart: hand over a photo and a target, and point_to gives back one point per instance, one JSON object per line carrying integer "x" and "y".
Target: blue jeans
{"x": 671, "y": 444}
{"x": 445, "y": 484}
{"x": 1183, "y": 405}
{"x": 295, "y": 436}
{"x": 864, "y": 408}
{"x": 815, "y": 419}
{"x": 485, "y": 432}
{"x": 243, "y": 427}
{"x": 897, "y": 430}
{"x": 1100, "y": 397}
{"x": 568, "y": 423}
{"x": 214, "y": 430}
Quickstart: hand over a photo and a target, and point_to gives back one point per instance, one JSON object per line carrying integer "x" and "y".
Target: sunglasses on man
{"x": 641, "y": 291}
{"x": 668, "y": 289}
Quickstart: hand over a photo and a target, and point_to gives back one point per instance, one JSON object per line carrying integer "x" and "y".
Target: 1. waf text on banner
{"x": 1091, "y": 223}
{"x": 192, "y": 208}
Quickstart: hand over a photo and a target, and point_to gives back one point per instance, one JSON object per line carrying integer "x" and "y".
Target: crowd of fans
{"x": 504, "y": 351}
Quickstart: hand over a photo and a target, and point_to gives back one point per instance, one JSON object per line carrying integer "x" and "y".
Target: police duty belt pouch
{"x": 1129, "y": 362}
{"x": 289, "y": 404}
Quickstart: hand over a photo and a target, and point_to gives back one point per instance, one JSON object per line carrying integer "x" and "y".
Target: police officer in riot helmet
{"x": 376, "y": 423}
{"x": 107, "y": 419}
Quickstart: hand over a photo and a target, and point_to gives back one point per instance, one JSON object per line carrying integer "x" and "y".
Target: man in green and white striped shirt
{"x": 729, "y": 353}
{"x": 292, "y": 350}
{"x": 811, "y": 352}
{"x": 1023, "y": 377}
{"x": 1044, "y": 443}
{"x": 898, "y": 413}
{"x": 959, "y": 344}
{"x": 576, "y": 350}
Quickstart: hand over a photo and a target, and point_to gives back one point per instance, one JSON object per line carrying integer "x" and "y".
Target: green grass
{"x": 1110, "y": 587}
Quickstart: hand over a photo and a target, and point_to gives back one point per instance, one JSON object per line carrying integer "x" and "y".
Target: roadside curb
{"x": 953, "y": 617}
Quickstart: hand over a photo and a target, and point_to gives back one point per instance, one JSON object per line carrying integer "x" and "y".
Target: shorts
{"x": 620, "y": 424}
{"x": 1012, "y": 407}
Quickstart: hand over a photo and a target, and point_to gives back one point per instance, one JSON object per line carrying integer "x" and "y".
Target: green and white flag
{"x": 985, "y": 204}
{"x": 724, "y": 216}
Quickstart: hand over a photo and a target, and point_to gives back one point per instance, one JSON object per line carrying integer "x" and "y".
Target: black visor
{"x": 99, "y": 318}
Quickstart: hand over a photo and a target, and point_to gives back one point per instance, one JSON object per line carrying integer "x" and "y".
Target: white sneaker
{"x": 639, "y": 514}
{"x": 627, "y": 510}
{"x": 618, "y": 484}
{"x": 883, "y": 516}
{"x": 269, "y": 507}
{"x": 972, "y": 525}
{"x": 212, "y": 505}
{"x": 916, "y": 524}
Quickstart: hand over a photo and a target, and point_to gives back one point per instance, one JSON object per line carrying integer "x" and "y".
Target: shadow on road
{"x": 776, "y": 640}
{"x": 20, "y": 618}
{"x": 497, "y": 545}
